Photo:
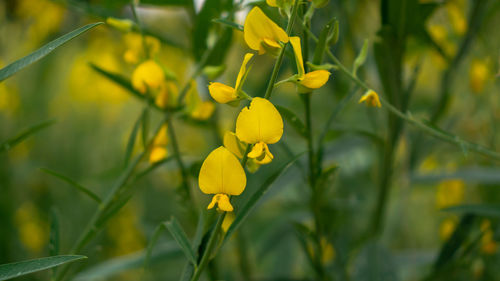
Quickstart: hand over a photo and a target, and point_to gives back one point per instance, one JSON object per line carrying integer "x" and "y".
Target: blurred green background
{"x": 94, "y": 118}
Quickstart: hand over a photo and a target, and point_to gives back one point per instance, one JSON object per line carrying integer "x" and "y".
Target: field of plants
{"x": 350, "y": 140}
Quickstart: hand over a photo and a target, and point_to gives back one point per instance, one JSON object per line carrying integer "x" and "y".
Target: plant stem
{"x": 210, "y": 246}
{"x": 277, "y": 65}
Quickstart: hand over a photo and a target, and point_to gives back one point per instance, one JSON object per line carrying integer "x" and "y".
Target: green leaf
{"x": 480, "y": 174}
{"x": 71, "y": 182}
{"x": 133, "y": 137}
{"x": 8, "y": 144}
{"x": 229, "y": 23}
{"x": 322, "y": 44}
{"x": 250, "y": 204}
{"x": 111, "y": 267}
{"x": 19, "y": 64}
{"x": 13, "y": 270}
{"x": 293, "y": 119}
{"x": 476, "y": 209}
{"x": 361, "y": 58}
{"x": 151, "y": 244}
{"x": 54, "y": 237}
{"x": 180, "y": 236}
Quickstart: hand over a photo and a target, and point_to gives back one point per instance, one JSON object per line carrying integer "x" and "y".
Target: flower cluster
{"x": 257, "y": 125}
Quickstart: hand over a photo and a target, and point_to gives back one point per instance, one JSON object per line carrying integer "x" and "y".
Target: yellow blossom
{"x": 457, "y": 18}
{"x": 449, "y": 193}
{"x": 262, "y": 34}
{"x": 223, "y": 93}
{"x": 159, "y": 147}
{"x": 446, "y": 228}
{"x": 488, "y": 244}
{"x": 221, "y": 174}
{"x": 196, "y": 108}
{"x": 148, "y": 75}
{"x": 237, "y": 147}
{"x": 228, "y": 221}
{"x": 478, "y": 74}
{"x": 134, "y": 43}
{"x": 167, "y": 95}
{"x": 371, "y": 98}
{"x": 311, "y": 80}
{"x": 124, "y": 25}
{"x": 260, "y": 124}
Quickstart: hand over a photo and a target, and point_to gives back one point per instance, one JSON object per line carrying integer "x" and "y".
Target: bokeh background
{"x": 94, "y": 118}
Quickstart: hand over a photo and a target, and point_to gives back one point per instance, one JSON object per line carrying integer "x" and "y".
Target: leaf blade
{"x": 181, "y": 238}
{"x": 21, "y": 63}
{"x": 17, "y": 269}
{"x": 73, "y": 183}
{"x": 8, "y": 144}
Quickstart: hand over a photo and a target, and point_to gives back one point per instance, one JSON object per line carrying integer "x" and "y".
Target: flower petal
{"x": 258, "y": 26}
{"x": 243, "y": 70}
{"x": 222, "y": 93}
{"x": 233, "y": 144}
{"x": 221, "y": 172}
{"x": 297, "y": 50}
{"x": 147, "y": 75}
{"x": 261, "y": 122}
{"x": 315, "y": 79}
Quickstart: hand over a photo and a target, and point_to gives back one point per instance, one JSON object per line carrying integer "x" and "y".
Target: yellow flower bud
{"x": 371, "y": 98}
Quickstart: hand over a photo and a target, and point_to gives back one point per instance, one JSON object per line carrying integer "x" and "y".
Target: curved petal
{"x": 297, "y": 50}
{"x": 147, "y": 75}
{"x": 315, "y": 79}
{"x": 222, "y": 93}
{"x": 258, "y": 26}
{"x": 221, "y": 172}
{"x": 261, "y": 122}
{"x": 233, "y": 144}
{"x": 243, "y": 70}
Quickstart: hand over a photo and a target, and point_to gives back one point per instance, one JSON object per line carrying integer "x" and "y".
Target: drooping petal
{"x": 222, "y": 93}
{"x": 371, "y": 98}
{"x": 222, "y": 200}
{"x": 258, "y": 27}
{"x": 297, "y": 50}
{"x": 257, "y": 150}
{"x": 228, "y": 221}
{"x": 243, "y": 70}
{"x": 261, "y": 122}
{"x": 221, "y": 172}
{"x": 233, "y": 144}
{"x": 147, "y": 75}
{"x": 261, "y": 154}
{"x": 315, "y": 79}
{"x": 157, "y": 154}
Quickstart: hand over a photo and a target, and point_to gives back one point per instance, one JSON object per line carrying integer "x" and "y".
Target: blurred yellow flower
{"x": 124, "y": 25}
{"x": 221, "y": 174}
{"x": 371, "y": 98}
{"x": 167, "y": 95}
{"x": 488, "y": 244}
{"x": 260, "y": 124}
{"x": 311, "y": 80}
{"x": 446, "y": 228}
{"x": 159, "y": 147}
{"x": 272, "y": 3}
{"x": 195, "y": 107}
{"x": 327, "y": 251}
{"x": 223, "y": 93}
{"x": 449, "y": 193}
{"x": 262, "y": 34}
{"x": 148, "y": 75}
{"x": 33, "y": 231}
{"x": 457, "y": 17}
{"x": 478, "y": 75}
{"x": 135, "y": 44}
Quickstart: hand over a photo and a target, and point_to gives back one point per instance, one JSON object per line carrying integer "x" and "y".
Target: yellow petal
{"x": 371, "y": 99}
{"x": 222, "y": 200}
{"x": 161, "y": 138}
{"x": 297, "y": 50}
{"x": 157, "y": 154}
{"x": 147, "y": 75}
{"x": 243, "y": 70}
{"x": 222, "y": 93}
{"x": 315, "y": 79}
{"x": 261, "y": 122}
{"x": 257, "y": 150}
{"x": 167, "y": 95}
{"x": 233, "y": 144}
{"x": 265, "y": 156}
{"x": 228, "y": 221}
{"x": 258, "y": 27}
{"x": 221, "y": 172}
{"x": 272, "y": 3}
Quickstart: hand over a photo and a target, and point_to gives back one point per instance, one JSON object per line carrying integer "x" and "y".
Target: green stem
{"x": 210, "y": 246}
{"x": 277, "y": 65}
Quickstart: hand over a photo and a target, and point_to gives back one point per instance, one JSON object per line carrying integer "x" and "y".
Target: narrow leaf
{"x": 71, "y": 182}
{"x": 13, "y": 270}
{"x": 326, "y": 32}
{"x": 361, "y": 58}
{"x": 250, "y": 204}
{"x": 293, "y": 120}
{"x": 54, "y": 236}
{"x": 19, "y": 64}
{"x": 151, "y": 244}
{"x": 118, "y": 79}
{"x": 477, "y": 209}
{"x": 229, "y": 24}
{"x": 180, "y": 236}
{"x": 8, "y": 144}
{"x": 132, "y": 138}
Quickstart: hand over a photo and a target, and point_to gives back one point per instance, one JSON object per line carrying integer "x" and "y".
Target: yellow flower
{"x": 371, "y": 99}
{"x": 196, "y": 108}
{"x": 260, "y": 124}
{"x": 221, "y": 174}
{"x": 228, "y": 221}
{"x": 167, "y": 95}
{"x": 124, "y": 25}
{"x": 272, "y": 3}
{"x": 223, "y": 93}
{"x": 135, "y": 47}
{"x": 262, "y": 34}
{"x": 449, "y": 193}
{"x": 446, "y": 228}
{"x": 478, "y": 75}
{"x": 148, "y": 75}
{"x": 488, "y": 244}
{"x": 311, "y": 80}
{"x": 237, "y": 147}
{"x": 159, "y": 148}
